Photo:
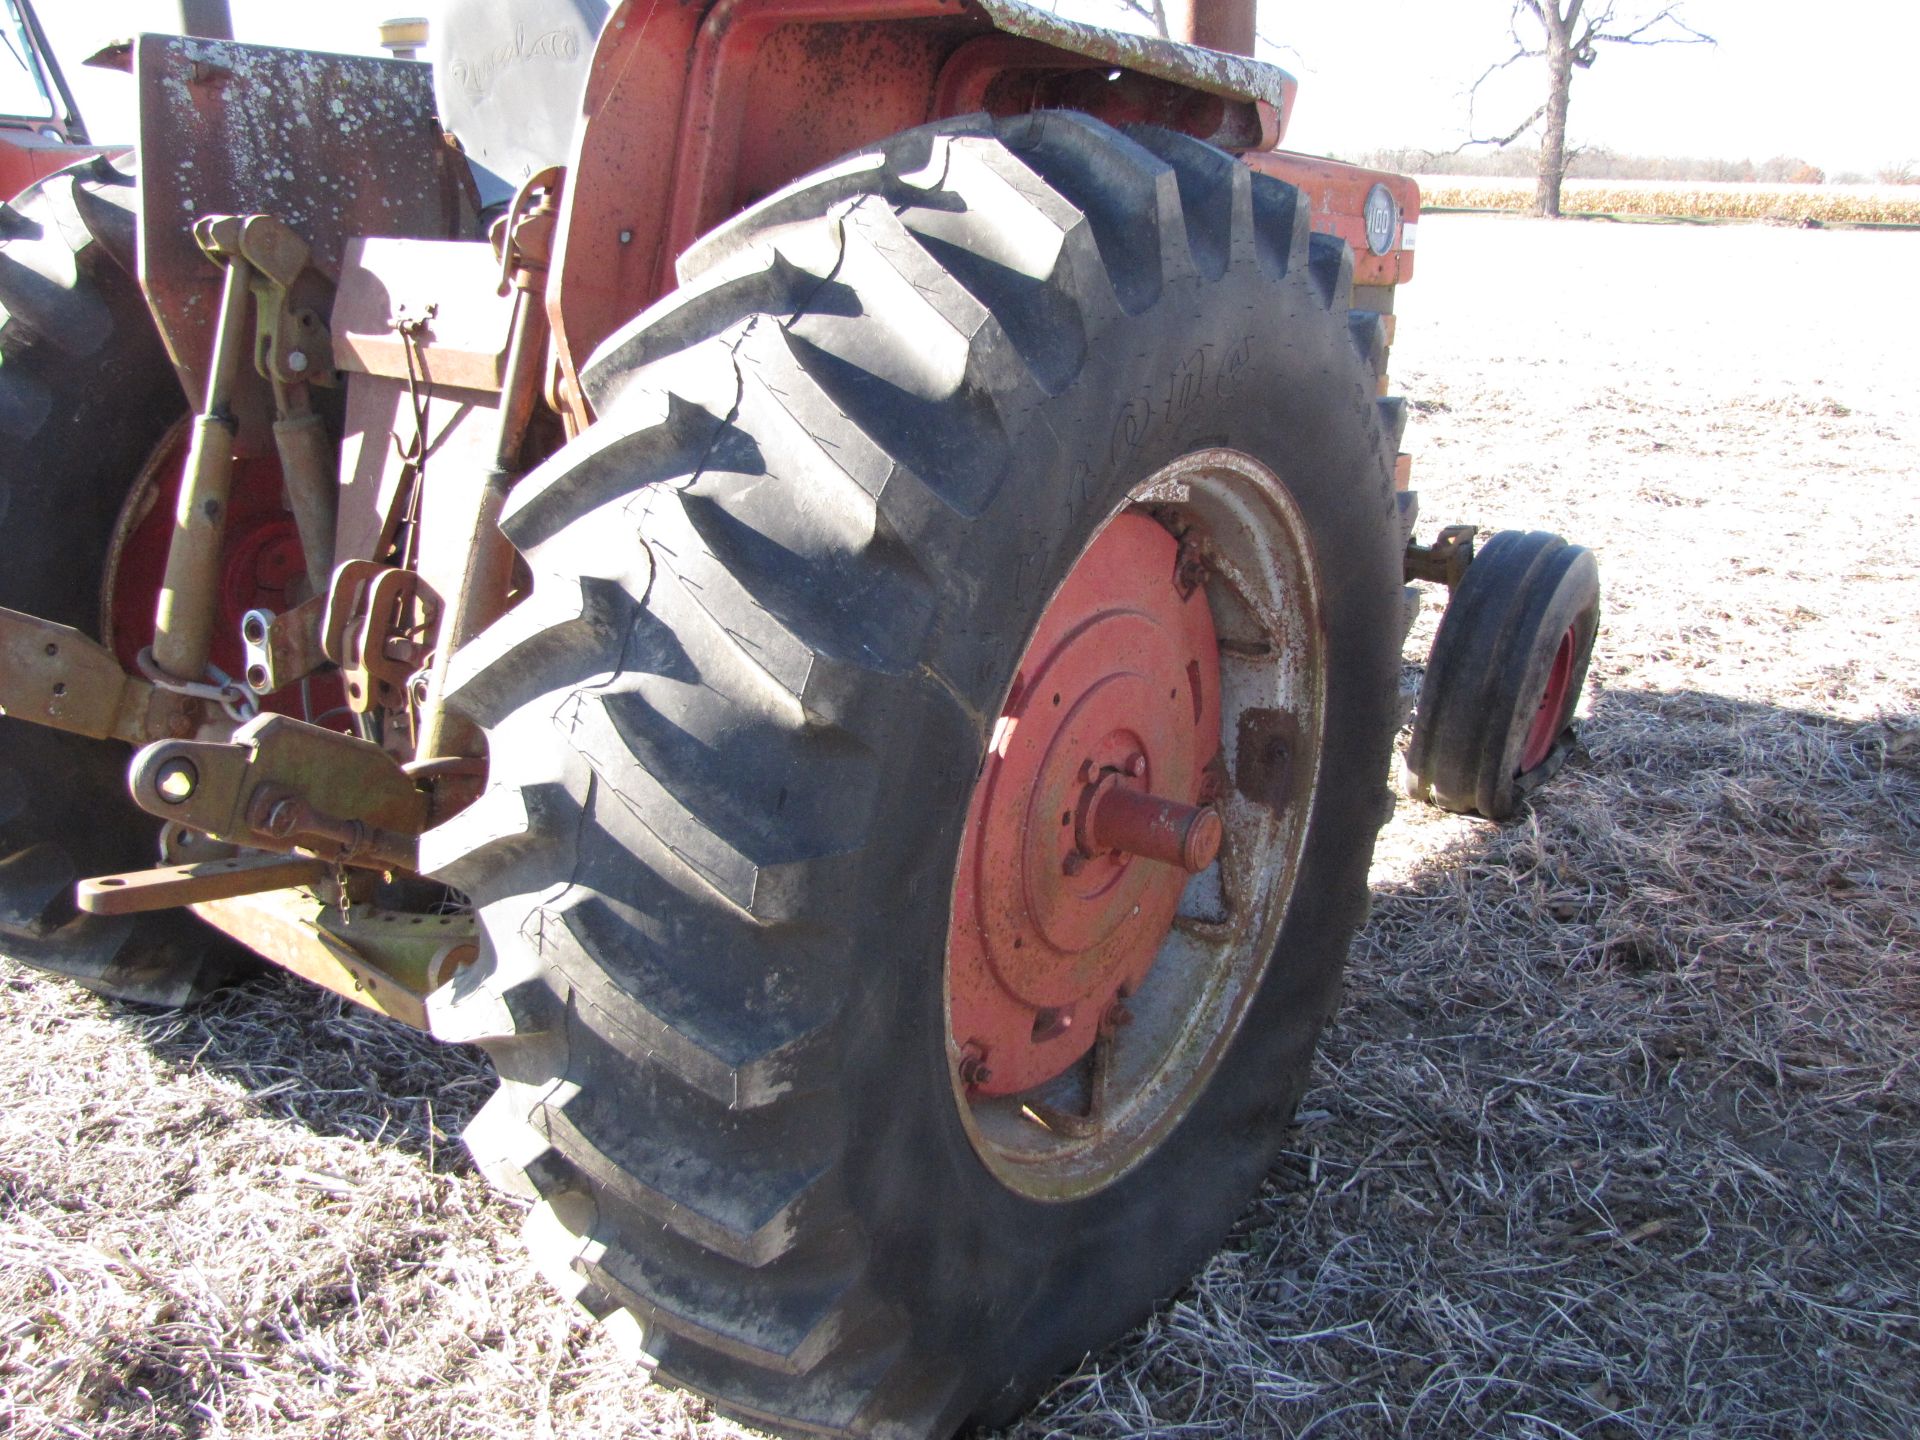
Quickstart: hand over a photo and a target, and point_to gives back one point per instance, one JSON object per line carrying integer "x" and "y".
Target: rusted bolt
{"x": 283, "y": 819}
{"x": 973, "y": 1066}
{"x": 177, "y": 781}
{"x": 1190, "y": 568}
{"x": 1213, "y": 779}
{"x": 1117, "y": 1016}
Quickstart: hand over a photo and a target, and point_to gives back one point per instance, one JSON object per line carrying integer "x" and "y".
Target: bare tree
{"x": 1154, "y": 12}
{"x": 1568, "y": 34}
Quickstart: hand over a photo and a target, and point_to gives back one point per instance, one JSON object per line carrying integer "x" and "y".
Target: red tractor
{"x": 823, "y": 578}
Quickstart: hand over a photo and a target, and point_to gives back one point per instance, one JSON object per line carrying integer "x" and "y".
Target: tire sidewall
{"x": 1560, "y": 595}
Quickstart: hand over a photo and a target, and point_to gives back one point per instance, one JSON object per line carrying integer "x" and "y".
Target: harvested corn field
{"x": 1686, "y": 199}
{"x": 1614, "y": 1137}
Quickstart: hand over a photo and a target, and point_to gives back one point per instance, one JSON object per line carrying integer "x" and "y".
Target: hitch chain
{"x": 231, "y": 696}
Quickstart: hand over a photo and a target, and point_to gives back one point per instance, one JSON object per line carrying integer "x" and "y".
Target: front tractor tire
{"x": 1003, "y": 464}
{"x": 1502, "y": 686}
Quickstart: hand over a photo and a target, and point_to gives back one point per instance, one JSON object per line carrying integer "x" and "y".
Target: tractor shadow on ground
{"x": 306, "y": 1055}
{"x": 1614, "y": 1132}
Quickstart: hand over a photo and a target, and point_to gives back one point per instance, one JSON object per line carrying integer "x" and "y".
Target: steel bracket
{"x": 1445, "y": 561}
{"x": 291, "y": 346}
{"x": 54, "y": 675}
{"x": 384, "y": 960}
{"x": 283, "y": 648}
{"x": 284, "y": 785}
{"x": 375, "y": 628}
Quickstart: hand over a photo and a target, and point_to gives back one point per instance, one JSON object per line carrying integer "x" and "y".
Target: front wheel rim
{"x": 1092, "y": 986}
{"x": 1549, "y": 718}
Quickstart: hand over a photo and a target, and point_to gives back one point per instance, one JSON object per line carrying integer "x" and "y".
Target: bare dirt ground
{"x": 1615, "y": 1136}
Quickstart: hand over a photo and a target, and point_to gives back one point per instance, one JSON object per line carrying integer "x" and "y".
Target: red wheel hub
{"x": 1550, "y": 718}
{"x": 263, "y": 565}
{"x": 1089, "y": 813}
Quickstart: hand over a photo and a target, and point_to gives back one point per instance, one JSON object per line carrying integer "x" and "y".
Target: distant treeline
{"x": 1599, "y": 164}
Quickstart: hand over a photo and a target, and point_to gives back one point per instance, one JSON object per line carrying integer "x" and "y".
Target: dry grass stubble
{"x": 1614, "y": 1137}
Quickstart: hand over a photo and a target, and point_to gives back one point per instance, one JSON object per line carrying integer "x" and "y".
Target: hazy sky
{"x": 1837, "y": 90}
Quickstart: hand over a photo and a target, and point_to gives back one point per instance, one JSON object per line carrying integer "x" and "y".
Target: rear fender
{"x": 27, "y": 155}
{"x": 694, "y": 112}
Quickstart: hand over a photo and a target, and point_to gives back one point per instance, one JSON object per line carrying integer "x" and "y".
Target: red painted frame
{"x": 1336, "y": 195}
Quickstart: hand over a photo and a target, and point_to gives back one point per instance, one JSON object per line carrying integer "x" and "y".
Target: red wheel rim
{"x": 1192, "y": 681}
{"x": 1053, "y": 925}
{"x": 1551, "y": 716}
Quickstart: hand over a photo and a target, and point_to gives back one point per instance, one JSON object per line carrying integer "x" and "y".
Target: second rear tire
{"x": 87, "y": 395}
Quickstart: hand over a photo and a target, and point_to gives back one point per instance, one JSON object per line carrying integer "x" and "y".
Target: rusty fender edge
{"x": 1237, "y": 77}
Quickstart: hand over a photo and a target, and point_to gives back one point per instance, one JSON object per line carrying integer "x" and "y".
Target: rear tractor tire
{"x": 996, "y": 527}
{"x": 87, "y": 396}
{"x": 1495, "y": 719}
